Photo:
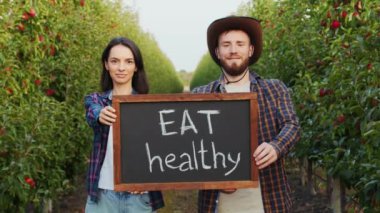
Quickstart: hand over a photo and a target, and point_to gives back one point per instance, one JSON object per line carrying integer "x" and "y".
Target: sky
{"x": 179, "y": 26}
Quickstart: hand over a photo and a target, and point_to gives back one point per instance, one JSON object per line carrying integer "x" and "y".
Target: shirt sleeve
{"x": 93, "y": 108}
{"x": 287, "y": 120}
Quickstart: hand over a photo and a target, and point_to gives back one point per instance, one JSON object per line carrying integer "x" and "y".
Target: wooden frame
{"x": 253, "y": 107}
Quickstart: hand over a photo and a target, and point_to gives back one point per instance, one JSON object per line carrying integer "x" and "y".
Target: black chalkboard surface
{"x": 185, "y": 141}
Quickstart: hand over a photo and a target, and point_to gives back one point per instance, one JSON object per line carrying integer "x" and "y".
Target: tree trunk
{"x": 329, "y": 188}
{"x": 303, "y": 165}
{"x": 47, "y": 206}
{"x": 338, "y": 197}
{"x": 310, "y": 181}
{"x": 343, "y": 197}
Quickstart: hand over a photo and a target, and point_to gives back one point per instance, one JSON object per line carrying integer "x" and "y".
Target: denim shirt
{"x": 94, "y": 103}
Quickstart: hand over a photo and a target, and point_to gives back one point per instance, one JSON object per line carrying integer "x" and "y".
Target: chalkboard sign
{"x": 185, "y": 141}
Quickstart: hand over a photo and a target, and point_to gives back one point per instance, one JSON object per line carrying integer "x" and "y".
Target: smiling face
{"x": 121, "y": 65}
{"x": 234, "y": 50}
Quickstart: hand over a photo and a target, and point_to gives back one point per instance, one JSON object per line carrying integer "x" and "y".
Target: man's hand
{"x": 264, "y": 155}
{"x": 228, "y": 191}
{"x": 107, "y": 116}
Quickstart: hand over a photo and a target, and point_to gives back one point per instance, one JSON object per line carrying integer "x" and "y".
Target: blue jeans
{"x": 119, "y": 202}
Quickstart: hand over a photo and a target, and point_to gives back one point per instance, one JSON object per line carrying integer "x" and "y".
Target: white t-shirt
{"x": 106, "y": 172}
{"x": 230, "y": 88}
{"x": 242, "y": 200}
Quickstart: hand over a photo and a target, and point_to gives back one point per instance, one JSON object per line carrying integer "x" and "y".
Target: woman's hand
{"x": 107, "y": 116}
{"x": 138, "y": 192}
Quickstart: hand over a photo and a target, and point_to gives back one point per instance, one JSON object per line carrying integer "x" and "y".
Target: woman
{"x": 123, "y": 74}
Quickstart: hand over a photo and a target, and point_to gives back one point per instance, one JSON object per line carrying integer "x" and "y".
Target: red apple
{"x": 40, "y": 38}
{"x": 341, "y": 119}
{"x": 322, "y": 92}
{"x": 344, "y": 14}
{"x": 32, "y": 12}
{"x": 25, "y": 16}
{"x": 328, "y": 15}
{"x": 369, "y": 66}
{"x": 335, "y": 24}
{"x": 52, "y": 50}
{"x": 30, "y": 181}
{"x": 37, "y": 82}
{"x": 21, "y": 27}
{"x": 50, "y": 92}
{"x": 9, "y": 91}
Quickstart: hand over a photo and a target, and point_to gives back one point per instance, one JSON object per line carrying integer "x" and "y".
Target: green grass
{"x": 180, "y": 201}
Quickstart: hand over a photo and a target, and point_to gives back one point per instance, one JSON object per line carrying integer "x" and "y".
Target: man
{"x": 235, "y": 43}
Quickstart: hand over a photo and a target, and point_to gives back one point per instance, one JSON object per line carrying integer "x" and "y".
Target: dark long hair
{"x": 139, "y": 79}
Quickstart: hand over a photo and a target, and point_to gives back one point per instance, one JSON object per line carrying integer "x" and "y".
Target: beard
{"x": 234, "y": 69}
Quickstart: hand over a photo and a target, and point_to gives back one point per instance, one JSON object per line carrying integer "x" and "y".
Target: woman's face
{"x": 121, "y": 65}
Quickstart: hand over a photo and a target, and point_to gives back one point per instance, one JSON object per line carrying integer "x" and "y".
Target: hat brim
{"x": 247, "y": 24}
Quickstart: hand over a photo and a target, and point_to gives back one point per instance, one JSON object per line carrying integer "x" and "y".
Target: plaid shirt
{"x": 278, "y": 125}
{"x": 93, "y": 104}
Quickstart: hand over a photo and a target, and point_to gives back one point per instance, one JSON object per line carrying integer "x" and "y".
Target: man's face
{"x": 234, "y": 50}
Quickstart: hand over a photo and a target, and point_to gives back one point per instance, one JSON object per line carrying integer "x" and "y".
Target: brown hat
{"x": 247, "y": 24}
